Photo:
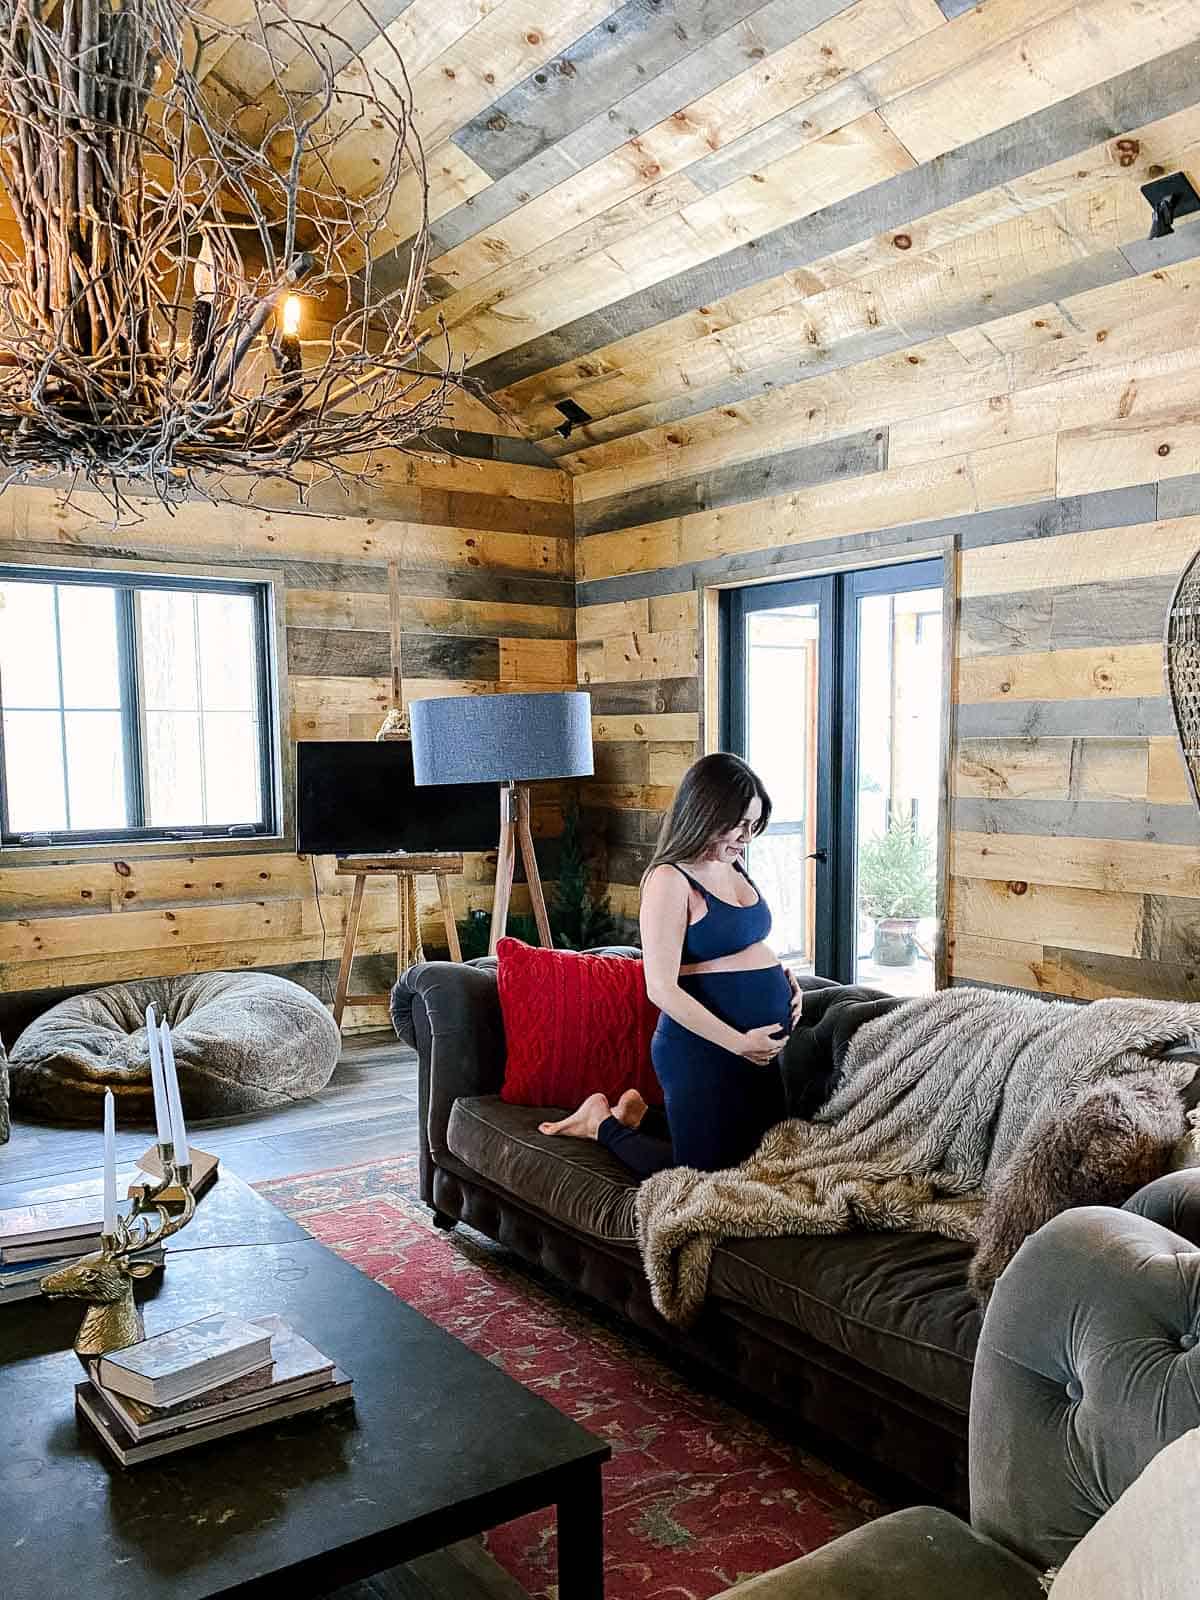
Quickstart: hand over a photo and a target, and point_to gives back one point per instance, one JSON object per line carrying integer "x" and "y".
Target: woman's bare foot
{"x": 581, "y": 1124}
{"x": 630, "y": 1109}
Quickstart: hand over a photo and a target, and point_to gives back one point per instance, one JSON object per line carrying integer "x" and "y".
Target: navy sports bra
{"x": 725, "y": 928}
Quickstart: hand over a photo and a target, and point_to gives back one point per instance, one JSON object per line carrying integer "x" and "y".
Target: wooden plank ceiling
{"x": 716, "y": 223}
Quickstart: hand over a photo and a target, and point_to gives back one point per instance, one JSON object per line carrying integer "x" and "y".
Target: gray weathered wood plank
{"x": 1180, "y": 497}
{"x": 1069, "y": 618}
{"x": 18, "y": 1007}
{"x": 488, "y": 446}
{"x": 441, "y": 655}
{"x": 622, "y": 826}
{"x": 1130, "y": 820}
{"x": 364, "y": 653}
{"x": 644, "y": 697}
{"x": 853, "y": 456}
{"x": 503, "y": 584}
{"x": 1171, "y": 930}
{"x": 1041, "y": 519}
{"x": 1146, "y": 93}
{"x": 1151, "y": 980}
{"x": 339, "y": 652}
{"x": 1066, "y": 719}
{"x": 627, "y": 862}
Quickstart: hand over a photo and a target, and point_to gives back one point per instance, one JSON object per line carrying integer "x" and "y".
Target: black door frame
{"x": 836, "y": 595}
{"x": 736, "y": 606}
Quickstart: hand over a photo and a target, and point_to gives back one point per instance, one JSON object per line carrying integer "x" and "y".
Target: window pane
{"x": 231, "y": 777}
{"x": 28, "y": 651}
{"x": 87, "y": 622}
{"x": 68, "y": 706}
{"x": 33, "y": 771}
{"x": 95, "y": 770}
{"x": 174, "y": 791}
{"x": 228, "y": 679}
{"x": 168, "y": 650}
{"x": 898, "y": 776}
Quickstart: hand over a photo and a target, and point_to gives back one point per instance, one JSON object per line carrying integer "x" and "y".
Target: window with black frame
{"x": 134, "y": 706}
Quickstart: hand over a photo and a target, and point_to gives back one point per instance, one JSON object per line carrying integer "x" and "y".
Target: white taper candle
{"x": 174, "y": 1104}
{"x": 162, "y": 1115}
{"x": 110, "y": 1163}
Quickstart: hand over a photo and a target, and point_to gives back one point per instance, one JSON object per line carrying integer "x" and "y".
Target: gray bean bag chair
{"x": 244, "y": 1041}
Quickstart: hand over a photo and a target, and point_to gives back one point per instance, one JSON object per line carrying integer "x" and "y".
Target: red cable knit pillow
{"x": 574, "y": 1024}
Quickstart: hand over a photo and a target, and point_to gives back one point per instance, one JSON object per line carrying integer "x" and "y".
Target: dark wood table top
{"x": 438, "y": 1445}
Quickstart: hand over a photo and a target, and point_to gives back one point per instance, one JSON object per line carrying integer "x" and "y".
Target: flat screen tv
{"x": 356, "y": 797}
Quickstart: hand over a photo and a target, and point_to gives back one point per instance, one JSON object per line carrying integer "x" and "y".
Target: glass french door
{"x": 833, "y": 692}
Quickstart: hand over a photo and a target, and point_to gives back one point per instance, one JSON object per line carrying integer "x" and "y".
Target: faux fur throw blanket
{"x": 932, "y": 1101}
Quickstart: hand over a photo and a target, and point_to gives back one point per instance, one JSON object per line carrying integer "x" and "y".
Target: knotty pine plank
{"x": 1056, "y": 134}
{"x": 1018, "y": 909}
{"x": 1106, "y": 866}
{"x": 690, "y": 133}
{"x": 1125, "y": 672}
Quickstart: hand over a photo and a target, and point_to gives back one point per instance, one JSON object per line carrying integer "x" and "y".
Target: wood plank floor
{"x": 367, "y": 1111}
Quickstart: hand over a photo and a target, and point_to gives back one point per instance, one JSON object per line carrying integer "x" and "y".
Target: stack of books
{"x": 36, "y": 1239}
{"x": 205, "y": 1380}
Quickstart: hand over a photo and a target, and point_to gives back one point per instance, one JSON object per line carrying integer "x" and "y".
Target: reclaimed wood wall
{"x": 484, "y": 555}
{"x": 1074, "y": 840}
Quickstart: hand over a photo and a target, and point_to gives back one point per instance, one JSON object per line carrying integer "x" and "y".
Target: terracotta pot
{"x": 895, "y": 941}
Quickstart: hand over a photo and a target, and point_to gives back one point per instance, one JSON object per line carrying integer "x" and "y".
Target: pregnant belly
{"x": 743, "y": 999}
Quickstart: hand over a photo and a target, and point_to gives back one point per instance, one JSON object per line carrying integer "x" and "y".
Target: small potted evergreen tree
{"x": 580, "y": 916}
{"x": 896, "y": 887}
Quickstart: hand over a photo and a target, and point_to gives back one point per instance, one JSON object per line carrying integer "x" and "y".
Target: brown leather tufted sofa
{"x": 869, "y": 1339}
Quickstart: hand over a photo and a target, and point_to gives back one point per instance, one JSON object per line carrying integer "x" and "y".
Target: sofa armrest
{"x": 449, "y": 1011}
{"x": 1173, "y": 1201}
{"x": 1088, "y": 1363}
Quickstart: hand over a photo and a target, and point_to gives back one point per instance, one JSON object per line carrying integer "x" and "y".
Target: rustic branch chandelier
{"x": 150, "y": 320}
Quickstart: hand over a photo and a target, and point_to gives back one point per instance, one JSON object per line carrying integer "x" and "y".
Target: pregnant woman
{"x": 726, "y": 1003}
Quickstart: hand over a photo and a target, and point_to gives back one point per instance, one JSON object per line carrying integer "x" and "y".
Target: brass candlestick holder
{"x": 104, "y": 1279}
{"x": 168, "y": 1182}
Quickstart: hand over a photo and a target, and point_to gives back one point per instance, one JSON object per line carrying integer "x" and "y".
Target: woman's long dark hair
{"x": 711, "y": 800}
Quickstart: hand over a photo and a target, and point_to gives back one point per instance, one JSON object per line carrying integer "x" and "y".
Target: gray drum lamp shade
{"x": 495, "y": 738}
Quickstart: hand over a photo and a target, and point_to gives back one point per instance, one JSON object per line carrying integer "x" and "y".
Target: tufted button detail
{"x": 1187, "y": 1341}
{"x": 1074, "y": 1391}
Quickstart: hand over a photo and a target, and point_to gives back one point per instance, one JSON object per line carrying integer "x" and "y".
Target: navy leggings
{"x": 718, "y": 1105}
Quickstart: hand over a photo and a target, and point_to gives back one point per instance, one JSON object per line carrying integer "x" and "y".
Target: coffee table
{"x": 439, "y": 1445}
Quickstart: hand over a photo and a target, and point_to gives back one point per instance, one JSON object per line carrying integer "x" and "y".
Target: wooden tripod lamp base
{"x": 516, "y": 833}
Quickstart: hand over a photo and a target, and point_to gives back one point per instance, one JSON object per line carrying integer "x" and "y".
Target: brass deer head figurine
{"x": 105, "y": 1279}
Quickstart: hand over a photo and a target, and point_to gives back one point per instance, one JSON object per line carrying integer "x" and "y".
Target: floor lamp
{"x": 509, "y": 739}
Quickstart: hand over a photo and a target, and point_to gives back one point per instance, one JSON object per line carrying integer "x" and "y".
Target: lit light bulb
{"x": 204, "y": 279}
{"x": 291, "y": 316}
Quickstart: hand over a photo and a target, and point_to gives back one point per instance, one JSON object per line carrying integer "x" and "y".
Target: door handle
{"x": 817, "y": 855}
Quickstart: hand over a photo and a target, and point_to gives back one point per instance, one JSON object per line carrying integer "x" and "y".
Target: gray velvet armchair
{"x": 1088, "y": 1365}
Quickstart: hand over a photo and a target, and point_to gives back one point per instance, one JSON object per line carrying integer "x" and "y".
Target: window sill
{"x": 41, "y": 855}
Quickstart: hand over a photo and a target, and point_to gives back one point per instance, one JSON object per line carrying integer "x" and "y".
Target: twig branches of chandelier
{"x": 149, "y": 334}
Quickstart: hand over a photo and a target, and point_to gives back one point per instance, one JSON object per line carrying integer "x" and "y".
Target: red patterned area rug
{"x": 697, "y": 1495}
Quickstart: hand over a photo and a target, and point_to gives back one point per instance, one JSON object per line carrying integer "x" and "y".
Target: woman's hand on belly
{"x": 762, "y": 1045}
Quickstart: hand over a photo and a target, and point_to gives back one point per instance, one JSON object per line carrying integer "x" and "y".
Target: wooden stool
{"x": 405, "y": 869}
